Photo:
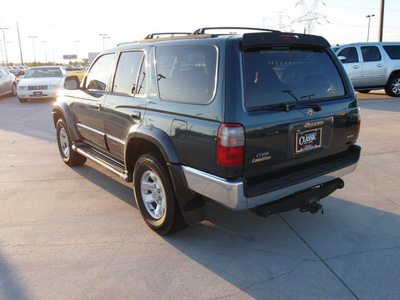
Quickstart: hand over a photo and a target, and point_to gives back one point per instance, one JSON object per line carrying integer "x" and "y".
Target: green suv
{"x": 262, "y": 120}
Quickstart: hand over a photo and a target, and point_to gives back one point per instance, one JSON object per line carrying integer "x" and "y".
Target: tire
{"x": 22, "y": 100}
{"x": 155, "y": 196}
{"x": 393, "y": 86}
{"x": 364, "y": 91}
{"x": 13, "y": 90}
{"x": 69, "y": 156}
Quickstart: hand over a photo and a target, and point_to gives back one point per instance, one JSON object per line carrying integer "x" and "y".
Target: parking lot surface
{"x": 76, "y": 233}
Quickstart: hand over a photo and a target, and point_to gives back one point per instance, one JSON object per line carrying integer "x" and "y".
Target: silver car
{"x": 41, "y": 82}
{"x": 372, "y": 66}
{"x": 8, "y": 84}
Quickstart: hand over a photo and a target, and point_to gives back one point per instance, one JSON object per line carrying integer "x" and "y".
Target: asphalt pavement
{"x": 76, "y": 233}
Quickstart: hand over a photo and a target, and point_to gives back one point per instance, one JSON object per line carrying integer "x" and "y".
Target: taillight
{"x": 230, "y": 148}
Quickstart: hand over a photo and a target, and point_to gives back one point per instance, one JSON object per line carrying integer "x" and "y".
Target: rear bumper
{"x": 232, "y": 194}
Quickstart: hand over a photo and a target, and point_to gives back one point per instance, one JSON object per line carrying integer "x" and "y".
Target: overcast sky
{"x": 74, "y": 26}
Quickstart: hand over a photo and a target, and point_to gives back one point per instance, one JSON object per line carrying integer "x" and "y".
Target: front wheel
{"x": 393, "y": 86}
{"x": 69, "y": 156}
{"x": 155, "y": 196}
{"x": 13, "y": 90}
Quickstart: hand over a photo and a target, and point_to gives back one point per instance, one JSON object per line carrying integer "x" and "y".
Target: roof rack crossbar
{"x": 172, "y": 34}
{"x": 204, "y": 29}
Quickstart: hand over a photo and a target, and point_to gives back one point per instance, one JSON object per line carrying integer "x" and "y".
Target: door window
{"x": 371, "y": 53}
{"x": 99, "y": 75}
{"x": 350, "y": 53}
{"x": 127, "y": 79}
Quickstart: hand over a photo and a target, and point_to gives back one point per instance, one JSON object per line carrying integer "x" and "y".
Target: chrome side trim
{"x": 80, "y": 125}
{"x": 231, "y": 193}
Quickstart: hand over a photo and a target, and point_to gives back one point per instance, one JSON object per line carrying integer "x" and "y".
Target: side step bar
{"x": 106, "y": 162}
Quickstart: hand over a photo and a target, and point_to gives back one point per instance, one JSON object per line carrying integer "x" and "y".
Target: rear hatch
{"x": 301, "y": 115}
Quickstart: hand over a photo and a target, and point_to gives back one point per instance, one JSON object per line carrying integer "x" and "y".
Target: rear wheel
{"x": 393, "y": 86}
{"x": 69, "y": 156}
{"x": 155, "y": 196}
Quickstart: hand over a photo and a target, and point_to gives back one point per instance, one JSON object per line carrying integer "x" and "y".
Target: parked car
{"x": 79, "y": 67}
{"x": 264, "y": 120}
{"x": 41, "y": 82}
{"x": 70, "y": 68}
{"x": 8, "y": 85}
{"x": 372, "y": 66}
{"x": 22, "y": 70}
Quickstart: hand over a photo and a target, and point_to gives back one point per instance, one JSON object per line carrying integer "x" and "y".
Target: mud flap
{"x": 307, "y": 200}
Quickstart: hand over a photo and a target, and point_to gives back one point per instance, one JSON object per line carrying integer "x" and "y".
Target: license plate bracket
{"x": 308, "y": 140}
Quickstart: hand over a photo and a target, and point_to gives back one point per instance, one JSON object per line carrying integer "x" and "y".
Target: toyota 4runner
{"x": 262, "y": 120}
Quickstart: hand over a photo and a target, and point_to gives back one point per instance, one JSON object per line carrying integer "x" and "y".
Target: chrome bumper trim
{"x": 231, "y": 193}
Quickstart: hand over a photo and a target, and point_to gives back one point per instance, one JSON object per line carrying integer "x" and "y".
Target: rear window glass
{"x": 187, "y": 73}
{"x": 393, "y": 51}
{"x": 286, "y": 75}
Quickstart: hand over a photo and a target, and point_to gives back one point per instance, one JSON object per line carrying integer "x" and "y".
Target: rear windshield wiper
{"x": 286, "y": 106}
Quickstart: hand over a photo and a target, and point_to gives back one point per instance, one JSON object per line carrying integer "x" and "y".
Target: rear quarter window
{"x": 285, "y": 75}
{"x": 187, "y": 73}
{"x": 392, "y": 51}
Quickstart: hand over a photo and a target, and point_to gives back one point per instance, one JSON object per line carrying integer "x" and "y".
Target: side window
{"x": 371, "y": 53}
{"x": 187, "y": 73}
{"x": 350, "y": 53}
{"x": 393, "y": 51}
{"x": 99, "y": 74}
{"x": 126, "y": 77}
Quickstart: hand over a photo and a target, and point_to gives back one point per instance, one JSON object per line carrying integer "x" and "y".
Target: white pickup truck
{"x": 372, "y": 66}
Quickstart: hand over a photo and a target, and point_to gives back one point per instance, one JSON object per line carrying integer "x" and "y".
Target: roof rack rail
{"x": 172, "y": 34}
{"x": 126, "y": 43}
{"x": 204, "y": 29}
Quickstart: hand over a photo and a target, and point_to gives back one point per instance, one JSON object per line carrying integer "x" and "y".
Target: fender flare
{"x": 191, "y": 205}
{"x": 61, "y": 109}
{"x": 157, "y": 137}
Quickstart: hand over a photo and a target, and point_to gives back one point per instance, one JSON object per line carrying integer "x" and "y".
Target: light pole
{"x": 33, "y": 37}
{"x": 45, "y": 51}
{"x": 105, "y": 36}
{"x": 77, "y": 54}
{"x": 369, "y": 22}
{"x": 4, "y": 40}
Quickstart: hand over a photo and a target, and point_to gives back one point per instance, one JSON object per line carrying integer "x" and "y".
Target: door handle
{"x": 356, "y": 67}
{"x": 136, "y": 115}
{"x": 379, "y": 65}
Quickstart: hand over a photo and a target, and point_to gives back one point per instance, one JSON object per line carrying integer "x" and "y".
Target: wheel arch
{"x": 62, "y": 110}
{"x": 146, "y": 139}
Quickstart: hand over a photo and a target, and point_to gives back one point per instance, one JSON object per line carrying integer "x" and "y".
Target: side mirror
{"x": 71, "y": 83}
{"x": 342, "y": 58}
